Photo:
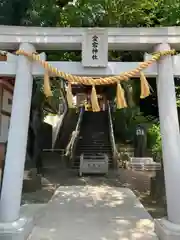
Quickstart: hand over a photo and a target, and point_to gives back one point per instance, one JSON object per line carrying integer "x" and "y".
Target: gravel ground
{"x": 56, "y": 174}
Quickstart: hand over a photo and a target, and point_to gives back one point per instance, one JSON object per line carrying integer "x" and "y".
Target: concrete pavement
{"x": 90, "y": 212}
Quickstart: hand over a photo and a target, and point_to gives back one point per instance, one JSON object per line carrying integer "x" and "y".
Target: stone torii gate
{"x": 94, "y": 63}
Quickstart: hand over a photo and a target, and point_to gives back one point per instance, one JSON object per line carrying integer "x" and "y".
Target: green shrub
{"x": 154, "y": 140}
{"x": 125, "y": 122}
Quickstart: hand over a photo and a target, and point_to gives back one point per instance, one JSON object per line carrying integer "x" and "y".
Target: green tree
{"x": 12, "y": 12}
{"x": 106, "y": 13}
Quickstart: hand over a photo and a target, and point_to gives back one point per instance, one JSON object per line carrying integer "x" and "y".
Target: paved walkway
{"x": 93, "y": 213}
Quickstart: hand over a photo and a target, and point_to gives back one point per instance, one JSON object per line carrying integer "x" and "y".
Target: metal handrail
{"x": 77, "y": 131}
{"x": 74, "y": 137}
{"x": 61, "y": 120}
{"x": 112, "y": 139}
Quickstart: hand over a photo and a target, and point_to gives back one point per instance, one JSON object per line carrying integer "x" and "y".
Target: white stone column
{"x": 170, "y": 145}
{"x": 17, "y": 140}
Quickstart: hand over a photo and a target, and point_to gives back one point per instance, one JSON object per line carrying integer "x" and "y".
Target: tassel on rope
{"x": 145, "y": 88}
{"x": 47, "y": 86}
{"x": 69, "y": 96}
{"x": 94, "y": 100}
{"x": 120, "y": 98}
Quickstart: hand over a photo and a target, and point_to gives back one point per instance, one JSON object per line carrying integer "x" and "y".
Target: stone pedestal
{"x": 143, "y": 164}
{"x": 31, "y": 181}
{"x": 21, "y": 229}
{"x": 166, "y": 230}
{"x": 17, "y": 230}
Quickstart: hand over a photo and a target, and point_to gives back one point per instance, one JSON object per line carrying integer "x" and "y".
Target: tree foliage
{"x": 12, "y": 12}
{"x": 90, "y": 13}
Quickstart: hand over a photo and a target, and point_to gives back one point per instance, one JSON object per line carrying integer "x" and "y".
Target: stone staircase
{"x": 93, "y": 141}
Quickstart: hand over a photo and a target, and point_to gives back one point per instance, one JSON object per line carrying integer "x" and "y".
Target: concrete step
{"x": 109, "y": 154}
{"x": 95, "y": 146}
{"x": 90, "y": 141}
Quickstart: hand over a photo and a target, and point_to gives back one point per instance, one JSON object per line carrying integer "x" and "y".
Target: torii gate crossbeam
{"x": 71, "y": 38}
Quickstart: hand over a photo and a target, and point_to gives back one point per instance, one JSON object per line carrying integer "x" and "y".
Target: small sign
{"x": 139, "y": 131}
{"x": 95, "y": 42}
{"x": 95, "y": 47}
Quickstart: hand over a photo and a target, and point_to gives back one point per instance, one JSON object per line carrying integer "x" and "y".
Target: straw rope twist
{"x": 98, "y": 81}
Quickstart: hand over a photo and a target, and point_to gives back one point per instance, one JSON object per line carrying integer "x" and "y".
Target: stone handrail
{"x": 112, "y": 139}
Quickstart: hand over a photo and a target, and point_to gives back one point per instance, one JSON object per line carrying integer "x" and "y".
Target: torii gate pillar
{"x": 169, "y": 228}
{"x": 11, "y": 225}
